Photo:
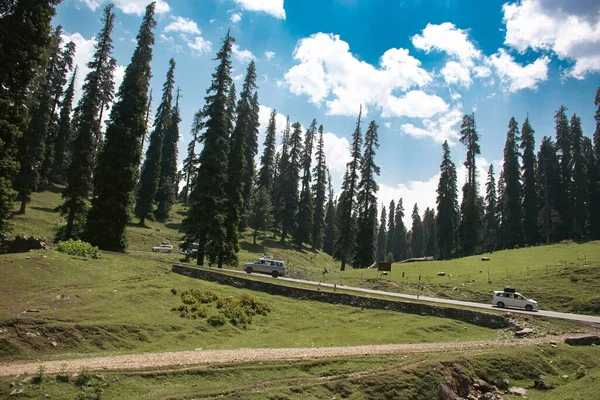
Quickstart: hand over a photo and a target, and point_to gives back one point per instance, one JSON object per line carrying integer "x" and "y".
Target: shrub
{"x": 216, "y": 320}
{"x": 39, "y": 376}
{"x": 174, "y": 291}
{"x": 78, "y": 248}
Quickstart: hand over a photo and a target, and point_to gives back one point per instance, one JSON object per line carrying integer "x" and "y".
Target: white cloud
{"x": 269, "y": 54}
{"x": 448, "y": 38}
{"x": 238, "y": 78}
{"x": 170, "y": 42}
{"x": 443, "y": 127}
{"x": 184, "y": 25}
{"x": 327, "y": 67}
{"x": 199, "y": 46}
{"x": 516, "y": 76}
{"x": 388, "y": 125}
{"x": 137, "y": 7}
{"x": 456, "y": 73}
{"x": 271, "y": 7}
{"x": 241, "y": 55}
{"x": 570, "y": 29}
{"x": 415, "y": 104}
{"x": 236, "y": 17}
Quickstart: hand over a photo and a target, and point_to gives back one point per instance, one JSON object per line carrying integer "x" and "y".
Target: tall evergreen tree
{"x": 267, "y": 160}
{"x": 511, "y": 212}
{"x": 151, "y": 169}
{"x": 236, "y": 169}
{"x": 304, "y": 217}
{"x": 391, "y": 227}
{"x": 205, "y": 223}
{"x": 319, "y": 191}
{"x": 470, "y": 223}
{"x": 549, "y": 189}
{"x": 447, "y": 207}
{"x": 491, "y": 224}
{"x": 400, "y": 244}
{"x": 416, "y": 242}
{"x": 24, "y": 37}
{"x": 261, "y": 212}
{"x": 169, "y": 180}
{"x": 64, "y": 134}
{"x": 190, "y": 164}
{"x": 382, "y": 235}
{"x": 32, "y": 147}
{"x": 289, "y": 181}
{"x": 344, "y": 245}
{"x": 529, "y": 201}
{"x": 366, "y": 236}
{"x": 121, "y": 153}
{"x": 593, "y": 177}
{"x": 501, "y": 240}
{"x": 579, "y": 190}
{"x": 563, "y": 151}
{"x": 429, "y": 233}
{"x": 147, "y": 121}
{"x": 330, "y": 235}
{"x": 279, "y": 183}
{"x": 252, "y": 124}
{"x": 595, "y": 183}
{"x": 231, "y": 109}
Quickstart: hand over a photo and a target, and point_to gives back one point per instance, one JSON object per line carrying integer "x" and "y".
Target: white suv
{"x": 163, "y": 248}
{"x": 264, "y": 265}
{"x": 513, "y": 299}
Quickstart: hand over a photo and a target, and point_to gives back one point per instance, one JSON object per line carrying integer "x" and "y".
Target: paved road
{"x": 541, "y": 313}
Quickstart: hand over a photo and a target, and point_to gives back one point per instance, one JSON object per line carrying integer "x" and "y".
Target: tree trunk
{"x": 23, "y": 206}
{"x": 255, "y": 233}
{"x": 343, "y": 268}
{"x": 201, "y": 244}
{"x": 142, "y": 222}
{"x": 69, "y": 227}
{"x": 220, "y": 260}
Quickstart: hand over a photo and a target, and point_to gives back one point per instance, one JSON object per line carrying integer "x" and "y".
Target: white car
{"x": 264, "y": 265}
{"x": 503, "y": 299}
{"x": 163, "y": 248}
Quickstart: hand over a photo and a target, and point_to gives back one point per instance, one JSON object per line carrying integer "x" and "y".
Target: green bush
{"x": 78, "y": 248}
{"x": 216, "y": 320}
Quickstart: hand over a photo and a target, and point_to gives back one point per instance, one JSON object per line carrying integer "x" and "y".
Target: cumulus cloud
{"x": 137, "y": 7}
{"x": 448, "y": 38}
{"x": 327, "y": 72}
{"x": 570, "y": 29}
{"x": 517, "y": 76}
{"x": 271, "y": 7}
{"x": 183, "y": 25}
{"x": 456, "y": 73}
{"x": 199, "y": 45}
{"x": 235, "y": 18}
{"x": 441, "y": 128}
{"x": 242, "y": 55}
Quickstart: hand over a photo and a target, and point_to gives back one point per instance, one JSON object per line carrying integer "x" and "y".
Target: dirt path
{"x": 203, "y": 357}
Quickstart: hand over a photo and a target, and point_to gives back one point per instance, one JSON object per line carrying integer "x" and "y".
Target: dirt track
{"x": 204, "y": 357}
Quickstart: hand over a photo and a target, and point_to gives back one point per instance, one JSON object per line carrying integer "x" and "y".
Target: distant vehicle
{"x": 510, "y": 298}
{"x": 163, "y": 248}
{"x": 188, "y": 250}
{"x": 266, "y": 265}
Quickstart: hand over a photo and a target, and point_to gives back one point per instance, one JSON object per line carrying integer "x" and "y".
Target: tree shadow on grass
{"x": 44, "y": 209}
{"x": 174, "y": 225}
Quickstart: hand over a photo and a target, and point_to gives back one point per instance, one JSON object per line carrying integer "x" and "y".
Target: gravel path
{"x": 207, "y": 357}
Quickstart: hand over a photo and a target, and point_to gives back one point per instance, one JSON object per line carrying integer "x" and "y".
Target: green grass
{"x": 122, "y": 303}
{"x": 410, "y": 376}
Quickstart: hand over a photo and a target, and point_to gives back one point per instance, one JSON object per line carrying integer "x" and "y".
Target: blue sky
{"x": 416, "y": 66}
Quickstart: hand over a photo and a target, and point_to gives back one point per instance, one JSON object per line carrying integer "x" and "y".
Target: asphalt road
{"x": 540, "y": 313}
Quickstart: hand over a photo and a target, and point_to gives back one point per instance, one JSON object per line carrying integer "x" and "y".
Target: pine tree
{"x": 382, "y": 234}
{"x": 147, "y": 120}
{"x": 252, "y": 125}
{"x": 563, "y": 151}
{"x": 169, "y": 182}
{"x": 429, "y": 232}
{"x": 79, "y": 173}
{"x": 447, "y": 207}
{"x": 279, "y": 183}
{"x": 64, "y": 134}
{"x": 267, "y": 160}
{"x": 579, "y": 190}
{"x": 491, "y": 223}
{"x": 231, "y": 110}
{"x": 366, "y": 236}
{"x": 236, "y": 168}
{"x": 400, "y": 247}
{"x": 24, "y": 37}
{"x": 595, "y": 183}
{"x": 416, "y": 240}
{"x": 261, "y": 213}
{"x": 389, "y": 244}
{"x": 501, "y": 240}
{"x": 32, "y": 147}
{"x": 470, "y": 223}
{"x": 344, "y": 245}
{"x": 304, "y": 217}
{"x": 151, "y": 168}
{"x": 109, "y": 214}
{"x": 529, "y": 201}
{"x": 549, "y": 189}
{"x": 190, "y": 164}
{"x": 593, "y": 177}
{"x": 330, "y": 235}
{"x": 289, "y": 182}
{"x": 511, "y": 212}
{"x": 319, "y": 191}
{"x": 205, "y": 223}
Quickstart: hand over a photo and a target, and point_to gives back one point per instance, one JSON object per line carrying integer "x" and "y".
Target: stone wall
{"x": 468, "y": 316}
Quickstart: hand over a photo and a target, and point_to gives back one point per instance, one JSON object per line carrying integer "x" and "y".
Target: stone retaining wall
{"x": 468, "y": 316}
